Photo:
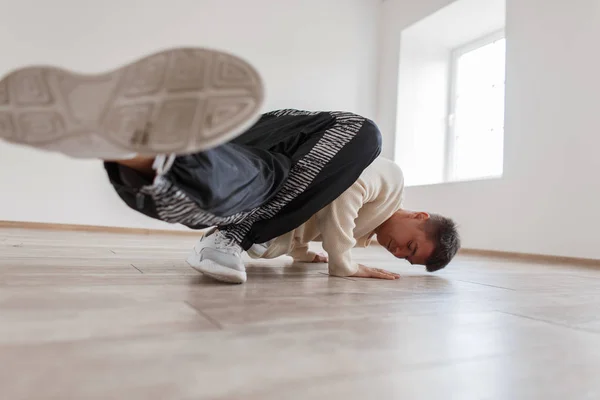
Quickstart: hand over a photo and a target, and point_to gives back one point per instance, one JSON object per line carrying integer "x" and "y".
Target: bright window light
{"x": 475, "y": 142}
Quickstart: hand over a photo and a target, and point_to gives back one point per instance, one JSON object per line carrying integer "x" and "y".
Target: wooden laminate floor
{"x": 109, "y": 316}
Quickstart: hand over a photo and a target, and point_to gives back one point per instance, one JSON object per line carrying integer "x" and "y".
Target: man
{"x": 166, "y": 126}
{"x": 370, "y": 206}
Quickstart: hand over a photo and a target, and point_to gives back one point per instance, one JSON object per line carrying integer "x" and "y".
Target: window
{"x": 475, "y": 135}
{"x": 450, "y": 94}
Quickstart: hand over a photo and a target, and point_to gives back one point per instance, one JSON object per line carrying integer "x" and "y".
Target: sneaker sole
{"x": 218, "y": 272}
{"x": 179, "y": 101}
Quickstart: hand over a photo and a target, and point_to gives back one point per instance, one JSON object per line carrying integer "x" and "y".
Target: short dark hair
{"x": 443, "y": 232}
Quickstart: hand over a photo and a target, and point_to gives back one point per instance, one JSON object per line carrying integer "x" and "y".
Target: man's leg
{"x": 223, "y": 186}
{"x": 335, "y": 159}
{"x": 216, "y": 187}
{"x": 286, "y": 212}
{"x": 327, "y": 156}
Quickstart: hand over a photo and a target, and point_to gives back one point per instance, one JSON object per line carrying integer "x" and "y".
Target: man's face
{"x": 404, "y": 237}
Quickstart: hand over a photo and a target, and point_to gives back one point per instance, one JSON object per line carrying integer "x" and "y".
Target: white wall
{"x": 313, "y": 54}
{"x": 547, "y": 202}
{"x": 422, "y": 108}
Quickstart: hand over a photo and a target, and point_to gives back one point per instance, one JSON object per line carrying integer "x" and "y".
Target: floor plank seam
{"x": 575, "y": 328}
{"x": 486, "y": 284}
{"x": 140, "y": 271}
{"x": 210, "y": 319}
{"x": 342, "y": 277}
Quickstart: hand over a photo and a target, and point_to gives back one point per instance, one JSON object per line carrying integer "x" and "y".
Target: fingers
{"x": 383, "y": 274}
{"x": 377, "y": 273}
{"x": 395, "y": 275}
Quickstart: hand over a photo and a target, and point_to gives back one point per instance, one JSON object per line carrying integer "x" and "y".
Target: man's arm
{"x": 337, "y": 223}
{"x": 301, "y": 253}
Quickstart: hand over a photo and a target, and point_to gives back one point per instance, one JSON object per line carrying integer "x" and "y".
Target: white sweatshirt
{"x": 349, "y": 221}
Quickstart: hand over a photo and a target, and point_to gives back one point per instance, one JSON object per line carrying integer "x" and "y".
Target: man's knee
{"x": 369, "y": 139}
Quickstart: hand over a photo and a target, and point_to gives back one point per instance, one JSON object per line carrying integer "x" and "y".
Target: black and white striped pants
{"x": 265, "y": 183}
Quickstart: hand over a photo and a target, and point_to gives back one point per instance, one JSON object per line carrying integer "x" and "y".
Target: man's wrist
{"x": 307, "y": 256}
{"x": 343, "y": 272}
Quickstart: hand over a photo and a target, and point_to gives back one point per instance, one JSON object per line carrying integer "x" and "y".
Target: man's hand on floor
{"x": 320, "y": 258}
{"x": 367, "y": 272}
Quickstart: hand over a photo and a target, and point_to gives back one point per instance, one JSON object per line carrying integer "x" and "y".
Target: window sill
{"x": 449, "y": 182}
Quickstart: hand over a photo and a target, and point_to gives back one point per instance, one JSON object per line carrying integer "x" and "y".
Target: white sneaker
{"x": 181, "y": 100}
{"x": 218, "y": 257}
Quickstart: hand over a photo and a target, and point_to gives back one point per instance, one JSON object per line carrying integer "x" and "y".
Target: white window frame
{"x": 450, "y": 133}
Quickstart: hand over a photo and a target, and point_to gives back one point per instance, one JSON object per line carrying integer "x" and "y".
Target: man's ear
{"x": 423, "y": 216}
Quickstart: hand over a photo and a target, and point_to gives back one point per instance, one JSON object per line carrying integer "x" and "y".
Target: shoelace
{"x": 229, "y": 244}
{"x": 162, "y": 163}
